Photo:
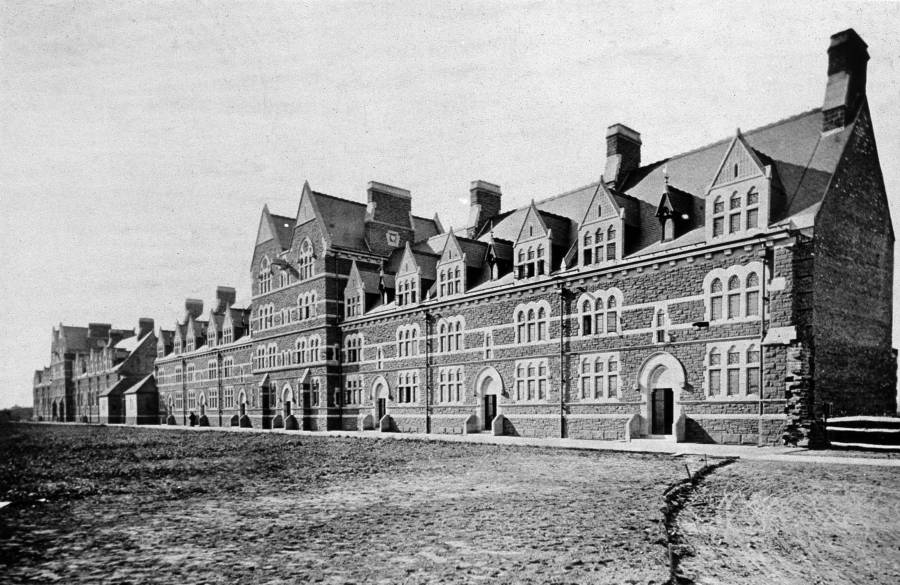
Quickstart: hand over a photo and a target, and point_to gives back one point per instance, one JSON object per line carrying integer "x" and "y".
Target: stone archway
{"x": 381, "y": 394}
{"x": 488, "y": 389}
{"x": 661, "y": 379}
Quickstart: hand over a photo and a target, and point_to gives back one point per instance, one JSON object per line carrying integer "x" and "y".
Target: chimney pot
{"x": 623, "y": 152}
{"x": 484, "y": 204}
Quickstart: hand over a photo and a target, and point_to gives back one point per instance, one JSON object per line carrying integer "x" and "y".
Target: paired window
{"x": 407, "y": 291}
{"x": 600, "y": 313}
{"x": 211, "y": 370}
{"x": 353, "y": 348}
{"x": 227, "y": 367}
{"x": 272, "y": 355}
{"x": 450, "y": 384}
{"x": 265, "y": 317}
{"x": 227, "y": 335}
{"x": 260, "y": 358}
{"x": 306, "y": 305}
{"x": 599, "y": 376}
{"x": 489, "y": 345}
{"x": 407, "y": 387}
{"x": 213, "y": 398}
{"x": 531, "y": 323}
{"x": 305, "y": 261}
{"x": 177, "y": 345}
{"x": 228, "y": 398}
{"x": 191, "y": 400}
{"x": 531, "y": 380}
{"x": 178, "y": 375}
{"x": 742, "y": 212}
{"x": 353, "y": 304}
{"x": 407, "y": 341}
{"x": 531, "y": 260}
{"x": 353, "y": 390}
{"x": 306, "y": 350}
{"x": 734, "y": 293}
{"x": 599, "y": 246}
{"x": 190, "y": 373}
{"x": 733, "y": 370}
{"x": 450, "y": 334}
{"x": 264, "y": 279}
{"x": 191, "y": 340}
{"x": 450, "y": 281}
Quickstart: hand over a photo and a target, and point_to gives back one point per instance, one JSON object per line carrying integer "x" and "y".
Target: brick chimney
{"x": 846, "y": 87}
{"x": 145, "y": 326}
{"x": 623, "y": 152}
{"x": 193, "y": 307}
{"x": 484, "y": 204}
{"x": 388, "y": 218}
{"x": 225, "y": 297}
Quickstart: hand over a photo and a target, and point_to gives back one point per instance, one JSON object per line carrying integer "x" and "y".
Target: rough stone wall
{"x": 854, "y": 367}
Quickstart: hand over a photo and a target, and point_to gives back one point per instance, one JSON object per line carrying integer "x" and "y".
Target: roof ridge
{"x": 317, "y": 193}
{"x": 723, "y": 140}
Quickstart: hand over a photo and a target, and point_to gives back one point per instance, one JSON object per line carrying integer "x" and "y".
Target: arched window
{"x": 660, "y": 324}
{"x": 752, "y": 383}
{"x": 718, "y": 216}
{"x": 532, "y": 326}
{"x": 716, "y": 300}
{"x": 587, "y": 317}
{"x": 265, "y": 276}
{"x": 599, "y": 316}
{"x": 599, "y": 376}
{"x": 734, "y": 213}
{"x": 540, "y": 259}
{"x": 734, "y": 297}
{"x": 751, "y": 214}
{"x": 612, "y": 316}
{"x": 542, "y": 324}
{"x": 587, "y": 250}
{"x": 305, "y": 259}
{"x": 520, "y": 327}
{"x": 611, "y": 243}
{"x": 752, "y": 295}
{"x": 313, "y": 354}
{"x": 598, "y": 245}
{"x": 733, "y": 364}
{"x": 585, "y": 378}
{"x": 715, "y": 372}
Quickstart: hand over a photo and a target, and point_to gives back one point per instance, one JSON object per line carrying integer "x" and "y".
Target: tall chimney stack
{"x": 623, "y": 152}
{"x": 484, "y": 204}
{"x": 193, "y": 308}
{"x": 846, "y": 87}
{"x": 225, "y": 297}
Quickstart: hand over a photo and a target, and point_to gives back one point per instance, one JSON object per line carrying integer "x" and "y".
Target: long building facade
{"x": 740, "y": 293}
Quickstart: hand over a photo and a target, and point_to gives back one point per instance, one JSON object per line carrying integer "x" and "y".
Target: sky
{"x": 140, "y": 140}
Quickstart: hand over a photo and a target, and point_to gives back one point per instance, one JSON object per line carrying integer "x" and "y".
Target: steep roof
{"x": 803, "y": 158}
{"x": 344, "y": 220}
{"x": 284, "y": 230}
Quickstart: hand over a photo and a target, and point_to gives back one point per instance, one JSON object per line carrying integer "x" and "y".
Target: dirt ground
{"x": 803, "y": 524}
{"x": 116, "y": 505}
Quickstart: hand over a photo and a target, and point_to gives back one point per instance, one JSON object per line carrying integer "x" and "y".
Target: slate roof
{"x": 146, "y": 385}
{"x": 284, "y": 229}
{"x": 803, "y": 157}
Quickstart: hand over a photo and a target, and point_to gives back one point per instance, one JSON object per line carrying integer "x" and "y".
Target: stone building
{"x": 203, "y": 366}
{"x": 739, "y": 292}
{"x": 90, "y": 368}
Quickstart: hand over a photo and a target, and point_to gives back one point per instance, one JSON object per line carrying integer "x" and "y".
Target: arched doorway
{"x": 55, "y": 413}
{"x": 488, "y": 389}
{"x": 380, "y": 394}
{"x": 287, "y": 399}
{"x": 661, "y": 380}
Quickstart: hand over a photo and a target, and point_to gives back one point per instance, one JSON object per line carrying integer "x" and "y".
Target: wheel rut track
{"x": 675, "y": 497}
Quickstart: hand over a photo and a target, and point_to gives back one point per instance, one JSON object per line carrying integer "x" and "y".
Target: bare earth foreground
{"x": 127, "y": 505}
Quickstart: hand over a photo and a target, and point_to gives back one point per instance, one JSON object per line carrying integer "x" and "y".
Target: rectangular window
{"x": 734, "y": 223}
{"x": 715, "y": 382}
{"x": 718, "y": 226}
{"x": 716, "y": 308}
{"x": 752, "y": 218}
{"x": 229, "y": 397}
{"x": 752, "y": 303}
{"x": 752, "y": 380}
{"x": 734, "y": 306}
{"x": 734, "y": 381}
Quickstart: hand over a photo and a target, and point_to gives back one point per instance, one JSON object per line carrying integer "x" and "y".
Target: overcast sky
{"x": 139, "y": 141}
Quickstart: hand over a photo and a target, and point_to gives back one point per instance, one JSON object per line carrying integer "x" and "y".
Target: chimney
{"x": 623, "y": 152}
{"x": 225, "y": 297}
{"x": 145, "y": 326}
{"x": 193, "y": 307}
{"x": 388, "y": 218}
{"x": 99, "y": 330}
{"x": 846, "y": 87}
{"x": 484, "y": 204}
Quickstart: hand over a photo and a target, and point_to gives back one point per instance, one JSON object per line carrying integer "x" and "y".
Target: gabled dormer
{"x": 739, "y": 198}
{"x": 675, "y": 212}
{"x": 451, "y": 268}
{"x": 192, "y": 334}
{"x": 408, "y": 279}
{"x": 178, "y": 343}
{"x": 230, "y": 329}
{"x": 532, "y": 249}
{"x": 354, "y": 293}
{"x": 601, "y": 234}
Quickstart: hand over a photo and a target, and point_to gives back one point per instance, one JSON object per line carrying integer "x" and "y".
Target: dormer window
{"x": 305, "y": 260}
{"x": 611, "y": 243}
{"x": 353, "y": 305}
{"x": 177, "y": 345}
{"x": 734, "y": 213}
{"x": 668, "y": 228}
{"x": 752, "y": 209}
{"x": 407, "y": 290}
{"x": 718, "y": 217}
{"x": 265, "y": 276}
{"x": 227, "y": 335}
{"x": 190, "y": 343}
{"x": 531, "y": 261}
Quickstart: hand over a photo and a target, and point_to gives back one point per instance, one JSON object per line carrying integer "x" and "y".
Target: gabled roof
{"x": 147, "y": 385}
{"x": 674, "y": 201}
{"x": 363, "y": 277}
{"x": 277, "y": 227}
{"x": 117, "y": 388}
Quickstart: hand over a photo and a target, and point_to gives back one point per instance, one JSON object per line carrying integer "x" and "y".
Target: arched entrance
{"x": 287, "y": 399}
{"x": 488, "y": 389}
{"x": 661, "y": 380}
{"x": 55, "y": 413}
{"x": 380, "y": 394}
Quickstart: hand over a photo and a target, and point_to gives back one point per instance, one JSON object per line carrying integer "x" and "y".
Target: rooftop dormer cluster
{"x": 223, "y": 325}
